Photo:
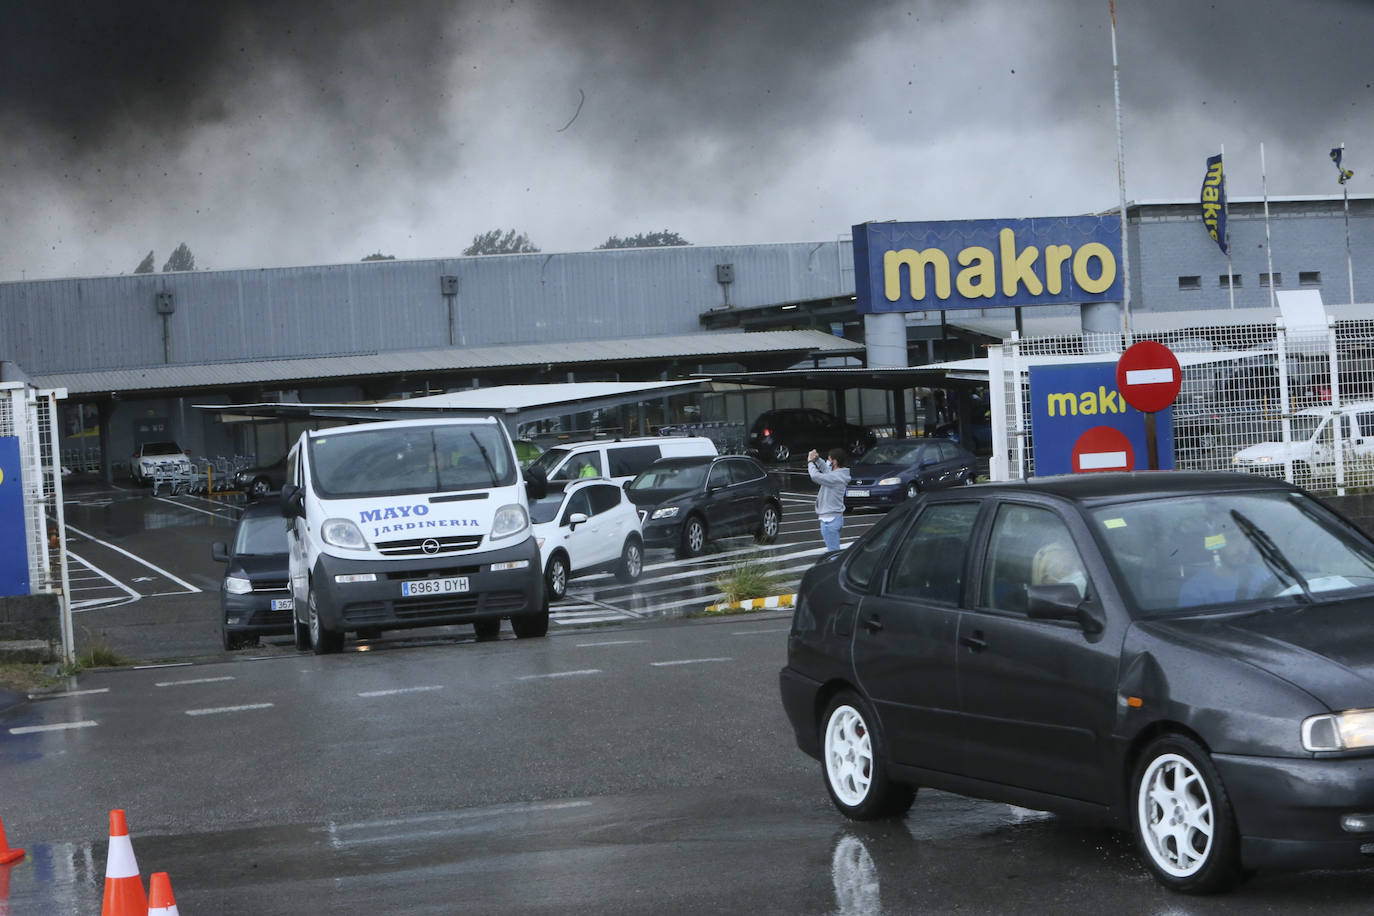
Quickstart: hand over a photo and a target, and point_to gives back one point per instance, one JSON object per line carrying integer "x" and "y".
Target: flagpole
{"x": 1268, "y": 252}
{"x": 1226, "y": 214}
{"x": 1121, "y": 185}
{"x": 1349, "y": 264}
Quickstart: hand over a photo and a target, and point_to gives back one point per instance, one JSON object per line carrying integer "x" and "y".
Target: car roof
{"x": 1327, "y": 410}
{"x": 687, "y": 461}
{"x": 1123, "y": 486}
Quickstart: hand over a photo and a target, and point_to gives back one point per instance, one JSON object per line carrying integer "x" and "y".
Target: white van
{"x": 617, "y": 459}
{"x": 412, "y": 523}
{"x": 1314, "y": 432}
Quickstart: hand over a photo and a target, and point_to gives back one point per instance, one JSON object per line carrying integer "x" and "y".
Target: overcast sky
{"x": 268, "y": 134}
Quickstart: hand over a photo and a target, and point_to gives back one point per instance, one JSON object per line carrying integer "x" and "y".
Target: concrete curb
{"x": 754, "y": 604}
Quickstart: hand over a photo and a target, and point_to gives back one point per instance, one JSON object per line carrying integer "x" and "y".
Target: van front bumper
{"x": 379, "y": 604}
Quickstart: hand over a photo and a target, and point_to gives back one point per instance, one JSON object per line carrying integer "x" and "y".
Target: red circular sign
{"x": 1148, "y": 376}
{"x": 1103, "y": 448}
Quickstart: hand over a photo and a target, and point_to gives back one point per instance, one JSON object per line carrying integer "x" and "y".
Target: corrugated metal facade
{"x": 54, "y": 326}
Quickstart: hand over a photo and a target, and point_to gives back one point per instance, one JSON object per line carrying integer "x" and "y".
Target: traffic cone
{"x": 124, "y": 894}
{"x": 160, "y": 899}
{"x": 8, "y": 855}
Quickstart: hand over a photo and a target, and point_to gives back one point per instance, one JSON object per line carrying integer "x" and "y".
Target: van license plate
{"x": 283, "y": 604}
{"x": 449, "y": 586}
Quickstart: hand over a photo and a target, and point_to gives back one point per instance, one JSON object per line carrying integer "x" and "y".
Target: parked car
{"x": 618, "y": 459}
{"x": 259, "y": 481}
{"x": 255, "y": 593}
{"x": 686, "y": 503}
{"x": 896, "y": 470}
{"x": 148, "y": 456}
{"x": 778, "y": 435}
{"x": 588, "y": 526}
{"x": 1312, "y": 447}
{"x": 1189, "y": 656}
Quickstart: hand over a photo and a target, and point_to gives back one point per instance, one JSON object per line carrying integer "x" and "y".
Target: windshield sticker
{"x": 1214, "y": 541}
{"x": 1115, "y": 523}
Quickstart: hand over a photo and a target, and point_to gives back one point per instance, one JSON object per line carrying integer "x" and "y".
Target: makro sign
{"x": 1080, "y": 422}
{"x": 14, "y": 553}
{"x": 974, "y": 264}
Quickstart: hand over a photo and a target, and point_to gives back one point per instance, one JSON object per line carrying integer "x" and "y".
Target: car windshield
{"x": 1303, "y": 426}
{"x": 891, "y": 453}
{"x": 1229, "y": 550}
{"x": 549, "y": 460}
{"x": 161, "y": 448}
{"x": 675, "y": 478}
{"x": 420, "y": 459}
{"x": 261, "y": 535}
{"x": 546, "y": 508}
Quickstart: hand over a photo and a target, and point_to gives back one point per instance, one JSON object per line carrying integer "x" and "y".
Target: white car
{"x": 587, "y": 527}
{"x": 1312, "y": 447}
{"x": 150, "y": 455}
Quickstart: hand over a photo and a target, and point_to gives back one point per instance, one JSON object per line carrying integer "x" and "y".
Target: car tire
{"x": 322, "y": 641}
{"x": 487, "y": 629}
{"x": 781, "y": 453}
{"x": 556, "y": 577}
{"x": 631, "y": 565}
{"x": 854, "y": 763}
{"x": 769, "y": 520}
{"x": 302, "y": 635}
{"x": 692, "y": 543}
{"x": 1183, "y": 820}
{"x": 530, "y": 626}
{"x": 260, "y": 487}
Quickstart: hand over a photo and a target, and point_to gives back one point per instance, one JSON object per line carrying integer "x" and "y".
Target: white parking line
{"x": 69, "y": 693}
{"x": 219, "y": 709}
{"x": 30, "y": 729}
{"x": 163, "y": 499}
{"x": 182, "y": 582}
{"x": 194, "y": 680}
{"x": 91, "y": 602}
{"x": 614, "y": 642}
{"x": 533, "y": 677}
{"x": 760, "y": 632}
{"x": 390, "y": 693}
{"x": 689, "y": 661}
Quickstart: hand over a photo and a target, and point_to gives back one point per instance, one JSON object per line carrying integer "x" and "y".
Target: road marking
{"x": 83, "y": 604}
{"x": 219, "y": 709}
{"x": 90, "y": 537}
{"x": 194, "y": 680}
{"x": 531, "y": 677}
{"x": 164, "y": 665}
{"x": 690, "y": 661}
{"x": 30, "y": 729}
{"x": 388, "y": 693}
{"x": 758, "y": 632}
{"x": 163, "y": 499}
{"x": 69, "y": 693}
{"x": 616, "y": 642}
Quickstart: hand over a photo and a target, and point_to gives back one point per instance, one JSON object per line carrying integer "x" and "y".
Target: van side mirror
{"x": 536, "y": 483}
{"x": 292, "y": 501}
{"x": 220, "y": 551}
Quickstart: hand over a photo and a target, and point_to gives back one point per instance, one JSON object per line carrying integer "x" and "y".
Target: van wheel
{"x": 528, "y": 626}
{"x": 631, "y": 564}
{"x": 324, "y": 642}
{"x": 556, "y": 576}
{"x": 302, "y": 635}
{"x": 231, "y": 641}
{"x": 767, "y": 531}
{"x": 693, "y": 537}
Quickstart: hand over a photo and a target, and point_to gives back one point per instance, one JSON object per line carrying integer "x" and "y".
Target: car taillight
{"x": 767, "y": 431}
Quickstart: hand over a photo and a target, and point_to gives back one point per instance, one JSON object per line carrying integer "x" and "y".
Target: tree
{"x": 181, "y": 259}
{"x": 378, "y": 256}
{"x": 497, "y": 242}
{"x": 146, "y": 265}
{"x": 664, "y": 239}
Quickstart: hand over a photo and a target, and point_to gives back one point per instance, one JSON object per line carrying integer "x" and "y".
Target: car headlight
{"x": 889, "y": 481}
{"x": 510, "y": 520}
{"x": 235, "y": 585}
{"x": 1339, "y": 731}
{"x": 340, "y": 532}
{"x": 665, "y": 512}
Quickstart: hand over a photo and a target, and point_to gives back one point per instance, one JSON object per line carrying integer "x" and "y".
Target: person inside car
{"x": 1235, "y": 572}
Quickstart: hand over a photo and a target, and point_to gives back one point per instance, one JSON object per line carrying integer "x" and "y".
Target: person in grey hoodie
{"x": 832, "y": 477}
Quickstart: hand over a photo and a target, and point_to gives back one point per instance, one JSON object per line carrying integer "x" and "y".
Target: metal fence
{"x": 30, "y": 415}
{"x": 1259, "y": 398}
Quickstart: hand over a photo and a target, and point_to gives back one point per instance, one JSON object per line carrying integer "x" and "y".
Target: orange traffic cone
{"x": 124, "y": 894}
{"x": 8, "y": 855}
{"x": 160, "y": 899}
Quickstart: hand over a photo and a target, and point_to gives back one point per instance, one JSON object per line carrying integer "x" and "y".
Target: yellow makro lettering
{"x": 1018, "y": 267}
{"x": 915, "y": 262}
{"x": 1063, "y": 405}
{"x": 1055, "y": 256}
{"x": 1086, "y": 403}
{"x": 979, "y": 276}
{"x": 1211, "y": 193}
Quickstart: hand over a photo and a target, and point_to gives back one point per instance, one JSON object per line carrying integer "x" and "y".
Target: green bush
{"x": 749, "y": 579}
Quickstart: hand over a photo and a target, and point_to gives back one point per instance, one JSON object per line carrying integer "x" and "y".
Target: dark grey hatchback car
{"x": 1187, "y": 656}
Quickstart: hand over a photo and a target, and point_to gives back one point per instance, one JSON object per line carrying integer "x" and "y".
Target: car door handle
{"x": 873, "y": 624}
{"x": 975, "y": 642}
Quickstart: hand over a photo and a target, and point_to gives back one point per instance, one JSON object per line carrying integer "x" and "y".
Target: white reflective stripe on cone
{"x": 121, "y": 862}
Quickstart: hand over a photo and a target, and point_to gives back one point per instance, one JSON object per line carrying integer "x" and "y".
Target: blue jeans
{"x": 831, "y": 532}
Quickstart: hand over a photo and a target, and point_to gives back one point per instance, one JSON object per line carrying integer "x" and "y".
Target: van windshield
{"x": 419, "y": 459}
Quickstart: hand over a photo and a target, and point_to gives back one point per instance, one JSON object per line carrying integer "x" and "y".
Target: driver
{"x": 1235, "y": 572}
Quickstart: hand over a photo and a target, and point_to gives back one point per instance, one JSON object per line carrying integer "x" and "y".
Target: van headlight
{"x": 1339, "y": 731}
{"x": 510, "y": 520}
{"x": 340, "y": 532}
{"x": 236, "y": 585}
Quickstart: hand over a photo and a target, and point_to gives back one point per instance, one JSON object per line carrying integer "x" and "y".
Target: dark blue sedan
{"x": 896, "y": 470}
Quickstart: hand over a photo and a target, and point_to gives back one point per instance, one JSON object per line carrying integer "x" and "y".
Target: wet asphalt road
{"x": 643, "y": 766}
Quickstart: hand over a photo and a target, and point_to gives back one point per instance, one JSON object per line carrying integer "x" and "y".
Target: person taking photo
{"x": 832, "y": 477}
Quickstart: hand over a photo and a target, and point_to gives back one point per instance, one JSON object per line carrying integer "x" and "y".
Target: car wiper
{"x": 491, "y": 468}
{"x": 1270, "y": 553}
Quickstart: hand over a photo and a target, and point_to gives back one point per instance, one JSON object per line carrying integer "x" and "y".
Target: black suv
{"x": 780, "y": 435}
{"x": 685, "y": 503}
{"x": 255, "y": 594}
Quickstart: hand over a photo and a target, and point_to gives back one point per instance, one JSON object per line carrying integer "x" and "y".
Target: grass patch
{"x": 25, "y": 677}
{"x": 749, "y": 579}
{"x": 97, "y": 653}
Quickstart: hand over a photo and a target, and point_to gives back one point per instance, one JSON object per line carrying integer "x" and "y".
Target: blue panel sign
{"x": 1081, "y": 423}
{"x": 987, "y": 263}
{"x": 14, "y": 551}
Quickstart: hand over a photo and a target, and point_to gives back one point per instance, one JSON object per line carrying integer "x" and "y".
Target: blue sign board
{"x": 1070, "y": 404}
{"x": 14, "y": 551}
{"x": 987, "y": 263}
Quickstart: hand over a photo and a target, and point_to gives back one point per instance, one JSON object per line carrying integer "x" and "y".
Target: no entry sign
{"x": 1148, "y": 376}
{"x": 1103, "y": 448}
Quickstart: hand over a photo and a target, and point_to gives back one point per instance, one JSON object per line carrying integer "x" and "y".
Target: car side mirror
{"x": 536, "y": 483}
{"x": 576, "y": 519}
{"x": 1060, "y": 601}
{"x": 220, "y": 551}
{"x": 292, "y": 501}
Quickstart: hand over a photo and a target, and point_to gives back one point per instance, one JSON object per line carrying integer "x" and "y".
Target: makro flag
{"x": 1345, "y": 174}
{"x": 1214, "y": 203}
